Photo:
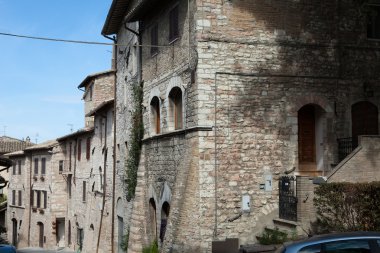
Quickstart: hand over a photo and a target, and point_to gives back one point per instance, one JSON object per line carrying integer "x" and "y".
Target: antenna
{"x": 71, "y": 126}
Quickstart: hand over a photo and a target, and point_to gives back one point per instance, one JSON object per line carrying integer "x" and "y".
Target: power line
{"x": 80, "y": 41}
{"x": 56, "y": 40}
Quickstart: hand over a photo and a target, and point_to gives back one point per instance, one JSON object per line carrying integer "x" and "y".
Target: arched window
{"x": 155, "y": 114}
{"x": 164, "y": 219}
{"x": 175, "y": 108}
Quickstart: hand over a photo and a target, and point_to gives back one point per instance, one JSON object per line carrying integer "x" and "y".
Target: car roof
{"x": 332, "y": 237}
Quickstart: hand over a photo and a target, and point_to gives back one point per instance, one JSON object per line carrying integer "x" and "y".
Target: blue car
{"x": 7, "y": 248}
{"x": 353, "y": 242}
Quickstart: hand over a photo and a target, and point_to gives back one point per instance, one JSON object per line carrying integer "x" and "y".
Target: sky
{"x": 39, "y": 95}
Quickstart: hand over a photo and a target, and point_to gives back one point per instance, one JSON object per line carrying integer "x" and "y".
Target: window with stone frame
{"x": 19, "y": 166}
{"x": 19, "y": 198}
{"x": 173, "y": 24}
{"x": 175, "y": 108}
{"x": 60, "y": 168}
{"x": 88, "y": 148}
{"x": 373, "y": 20}
{"x": 35, "y": 166}
{"x": 43, "y": 165}
{"x": 39, "y": 199}
{"x": 155, "y": 115}
{"x": 79, "y": 149}
{"x": 84, "y": 191}
{"x": 13, "y": 197}
{"x": 154, "y": 39}
{"x": 14, "y": 168}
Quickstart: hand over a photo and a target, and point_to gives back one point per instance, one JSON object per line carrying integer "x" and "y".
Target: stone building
{"x": 62, "y": 194}
{"x": 238, "y": 94}
{"x": 37, "y": 205}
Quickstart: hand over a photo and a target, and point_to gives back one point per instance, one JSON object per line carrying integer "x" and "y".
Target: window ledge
{"x": 178, "y": 132}
{"x": 20, "y": 207}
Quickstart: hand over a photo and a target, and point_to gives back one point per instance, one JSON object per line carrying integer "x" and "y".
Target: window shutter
{"x": 14, "y": 197}
{"x": 19, "y": 167}
{"x": 84, "y": 191}
{"x": 43, "y": 166}
{"x": 35, "y": 166}
{"x": 45, "y": 199}
{"x": 88, "y": 148}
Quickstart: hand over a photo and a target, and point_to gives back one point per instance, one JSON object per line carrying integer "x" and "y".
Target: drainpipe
{"x": 114, "y": 66}
{"x": 30, "y": 198}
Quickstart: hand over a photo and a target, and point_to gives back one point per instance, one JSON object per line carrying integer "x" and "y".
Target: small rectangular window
{"x": 69, "y": 185}
{"x": 373, "y": 22}
{"x": 60, "y": 168}
{"x": 88, "y": 148}
{"x": 84, "y": 192}
{"x": 19, "y": 167}
{"x": 19, "y": 198}
{"x": 70, "y": 154}
{"x": 14, "y": 197}
{"x": 45, "y": 198}
{"x": 35, "y": 166}
{"x": 79, "y": 149}
{"x": 43, "y": 166}
{"x": 173, "y": 24}
{"x": 154, "y": 40}
{"x": 38, "y": 193}
{"x": 14, "y": 168}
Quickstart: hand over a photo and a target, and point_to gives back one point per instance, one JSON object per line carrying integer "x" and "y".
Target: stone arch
{"x": 299, "y": 102}
{"x": 119, "y": 207}
{"x": 175, "y": 83}
{"x": 154, "y": 93}
{"x": 165, "y": 211}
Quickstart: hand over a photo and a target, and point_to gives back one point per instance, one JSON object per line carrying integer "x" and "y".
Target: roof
{"x": 79, "y": 132}
{"x": 9, "y": 144}
{"x": 115, "y": 17}
{"x": 101, "y": 106}
{"x": 5, "y": 162}
{"x": 89, "y": 78}
{"x": 16, "y": 153}
{"x": 43, "y": 145}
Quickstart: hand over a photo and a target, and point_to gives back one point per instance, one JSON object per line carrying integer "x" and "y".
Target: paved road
{"x": 38, "y": 250}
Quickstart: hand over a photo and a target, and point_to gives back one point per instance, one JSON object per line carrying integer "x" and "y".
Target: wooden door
{"x": 365, "y": 121}
{"x": 306, "y": 140}
{"x": 41, "y": 235}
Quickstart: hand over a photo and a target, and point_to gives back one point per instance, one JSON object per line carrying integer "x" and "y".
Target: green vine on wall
{"x": 137, "y": 133}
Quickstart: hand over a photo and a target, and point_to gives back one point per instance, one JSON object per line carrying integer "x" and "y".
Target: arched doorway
{"x": 364, "y": 116}
{"x": 310, "y": 140}
{"x": 164, "y": 219}
{"x": 14, "y": 232}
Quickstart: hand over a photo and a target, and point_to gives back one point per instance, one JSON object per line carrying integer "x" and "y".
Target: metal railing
{"x": 346, "y": 146}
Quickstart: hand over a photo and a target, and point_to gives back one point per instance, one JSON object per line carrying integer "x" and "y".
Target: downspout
{"x": 114, "y": 149}
{"x": 104, "y": 185}
{"x": 30, "y": 198}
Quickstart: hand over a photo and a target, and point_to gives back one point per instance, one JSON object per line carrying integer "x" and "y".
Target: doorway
{"x": 61, "y": 232}
{"x": 311, "y": 123}
{"x": 41, "y": 234}
{"x": 120, "y": 233}
{"x": 14, "y": 232}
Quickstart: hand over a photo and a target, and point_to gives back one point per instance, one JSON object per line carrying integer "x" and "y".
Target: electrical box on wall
{"x": 268, "y": 183}
{"x": 246, "y": 203}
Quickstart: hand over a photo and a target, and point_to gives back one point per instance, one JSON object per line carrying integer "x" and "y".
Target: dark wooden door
{"x": 306, "y": 138}
{"x": 14, "y": 232}
{"x": 41, "y": 234}
{"x": 365, "y": 121}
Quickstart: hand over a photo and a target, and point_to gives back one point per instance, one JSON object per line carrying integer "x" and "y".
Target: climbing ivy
{"x": 137, "y": 133}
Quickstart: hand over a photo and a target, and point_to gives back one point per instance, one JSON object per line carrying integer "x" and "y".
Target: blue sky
{"x": 39, "y": 79}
